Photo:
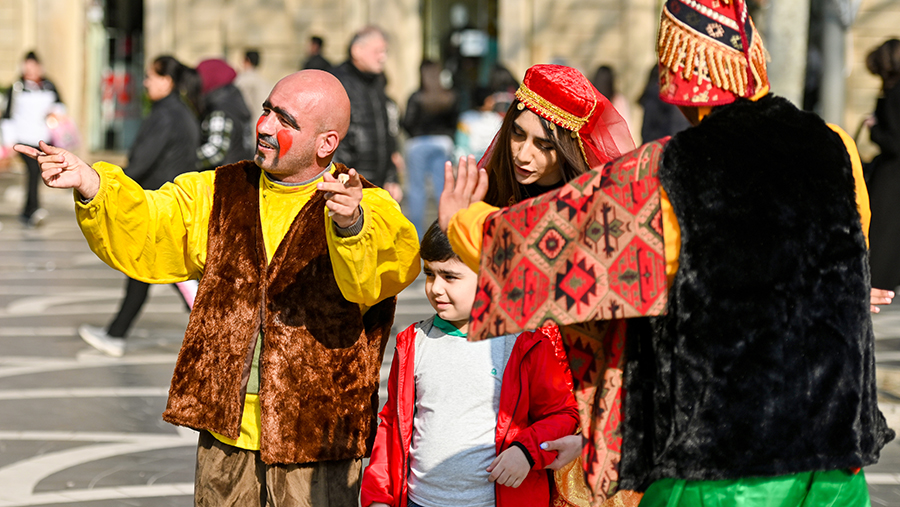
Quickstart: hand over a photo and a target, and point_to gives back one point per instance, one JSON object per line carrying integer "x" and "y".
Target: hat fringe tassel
{"x": 680, "y": 50}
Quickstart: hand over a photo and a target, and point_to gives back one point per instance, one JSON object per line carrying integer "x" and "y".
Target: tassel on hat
{"x": 709, "y": 53}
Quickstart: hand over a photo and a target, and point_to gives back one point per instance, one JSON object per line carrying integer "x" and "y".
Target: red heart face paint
{"x": 284, "y": 142}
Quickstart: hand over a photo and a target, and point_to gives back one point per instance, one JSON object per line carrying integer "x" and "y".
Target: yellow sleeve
{"x": 862, "y": 193}
{"x": 671, "y": 235}
{"x": 465, "y": 231}
{"x": 382, "y": 259}
{"x": 154, "y": 236}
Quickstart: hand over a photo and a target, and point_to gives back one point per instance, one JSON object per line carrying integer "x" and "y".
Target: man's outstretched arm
{"x": 153, "y": 236}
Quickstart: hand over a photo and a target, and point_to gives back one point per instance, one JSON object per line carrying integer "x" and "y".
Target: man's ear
{"x": 326, "y": 143}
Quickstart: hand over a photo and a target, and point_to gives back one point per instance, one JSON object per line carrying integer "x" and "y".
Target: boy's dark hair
{"x": 435, "y": 247}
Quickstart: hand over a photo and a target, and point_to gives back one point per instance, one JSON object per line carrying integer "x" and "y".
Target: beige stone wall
{"x": 54, "y": 29}
{"x": 876, "y": 22}
{"x": 12, "y": 39}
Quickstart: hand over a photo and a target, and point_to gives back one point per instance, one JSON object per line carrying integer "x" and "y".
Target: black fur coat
{"x": 764, "y": 364}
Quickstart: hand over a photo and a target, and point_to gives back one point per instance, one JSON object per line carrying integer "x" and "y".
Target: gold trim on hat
{"x": 681, "y": 50}
{"x": 551, "y": 111}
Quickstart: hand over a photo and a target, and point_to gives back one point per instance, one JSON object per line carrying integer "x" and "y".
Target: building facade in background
{"x": 95, "y": 50}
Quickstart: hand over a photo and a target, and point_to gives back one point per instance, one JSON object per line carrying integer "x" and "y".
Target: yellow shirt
{"x": 466, "y": 225}
{"x": 160, "y": 237}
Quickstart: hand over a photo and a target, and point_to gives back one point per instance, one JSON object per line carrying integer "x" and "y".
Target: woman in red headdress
{"x": 558, "y": 128}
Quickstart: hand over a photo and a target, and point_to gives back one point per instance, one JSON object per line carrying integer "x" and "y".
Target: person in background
{"x": 163, "y": 149}
{"x": 477, "y": 127}
{"x": 504, "y": 85}
{"x": 254, "y": 88}
{"x": 430, "y": 120}
{"x": 605, "y": 81}
{"x": 31, "y": 99}
{"x": 884, "y": 170}
{"x": 371, "y": 142}
{"x": 315, "y": 59}
{"x": 660, "y": 118}
{"x": 463, "y": 422}
{"x": 226, "y": 128}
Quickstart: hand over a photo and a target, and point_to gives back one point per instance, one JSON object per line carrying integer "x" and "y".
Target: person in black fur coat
{"x": 754, "y": 384}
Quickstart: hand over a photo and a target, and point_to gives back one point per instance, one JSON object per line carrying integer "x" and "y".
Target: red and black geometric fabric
{"x": 590, "y": 250}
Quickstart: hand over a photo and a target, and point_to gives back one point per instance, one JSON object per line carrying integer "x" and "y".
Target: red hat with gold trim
{"x": 563, "y": 96}
{"x": 709, "y": 53}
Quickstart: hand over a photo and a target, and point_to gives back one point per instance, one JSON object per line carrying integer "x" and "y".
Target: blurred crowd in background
{"x": 400, "y": 143}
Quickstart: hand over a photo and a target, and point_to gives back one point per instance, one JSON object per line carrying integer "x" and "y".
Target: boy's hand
{"x": 343, "y": 196}
{"x": 509, "y": 468}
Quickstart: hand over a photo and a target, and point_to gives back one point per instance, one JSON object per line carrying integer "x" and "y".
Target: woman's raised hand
{"x": 468, "y": 186}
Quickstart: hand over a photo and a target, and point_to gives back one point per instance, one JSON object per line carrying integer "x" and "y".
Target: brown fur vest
{"x": 321, "y": 357}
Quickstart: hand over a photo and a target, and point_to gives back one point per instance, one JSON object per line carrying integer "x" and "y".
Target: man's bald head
{"x": 320, "y": 96}
{"x": 303, "y": 121}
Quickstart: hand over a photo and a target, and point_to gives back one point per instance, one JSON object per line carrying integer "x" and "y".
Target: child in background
{"x": 463, "y": 422}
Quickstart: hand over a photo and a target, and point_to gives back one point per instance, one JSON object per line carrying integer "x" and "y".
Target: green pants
{"x": 835, "y": 488}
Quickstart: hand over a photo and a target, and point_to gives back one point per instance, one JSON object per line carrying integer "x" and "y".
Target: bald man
{"x": 299, "y": 260}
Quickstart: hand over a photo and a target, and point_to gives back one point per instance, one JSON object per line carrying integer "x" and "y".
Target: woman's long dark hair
{"x": 186, "y": 81}
{"x": 503, "y": 189}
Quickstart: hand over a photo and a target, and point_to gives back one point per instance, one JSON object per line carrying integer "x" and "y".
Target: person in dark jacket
{"x": 884, "y": 178}
{"x": 226, "y": 129}
{"x": 29, "y": 101}
{"x": 316, "y": 60}
{"x": 165, "y": 147}
{"x": 660, "y": 119}
{"x": 430, "y": 120}
{"x": 371, "y": 142}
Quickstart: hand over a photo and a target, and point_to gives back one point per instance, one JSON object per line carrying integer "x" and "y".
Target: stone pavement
{"x": 80, "y": 429}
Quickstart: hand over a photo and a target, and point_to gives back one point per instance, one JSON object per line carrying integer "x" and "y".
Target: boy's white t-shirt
{"x": 457, "y": 401}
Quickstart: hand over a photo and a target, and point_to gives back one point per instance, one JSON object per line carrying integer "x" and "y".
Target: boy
{"x": 464, "y": 421}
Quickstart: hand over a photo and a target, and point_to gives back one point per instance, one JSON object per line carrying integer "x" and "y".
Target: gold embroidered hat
{"x": 563, "y": 96}
{"x": 709, "y": 53}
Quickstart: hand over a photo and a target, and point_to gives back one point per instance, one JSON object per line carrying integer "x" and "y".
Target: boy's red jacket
{"x": 536, "y": 405}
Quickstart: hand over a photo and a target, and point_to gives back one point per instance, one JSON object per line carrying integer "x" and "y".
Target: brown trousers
{"x": 230, "y": 476}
